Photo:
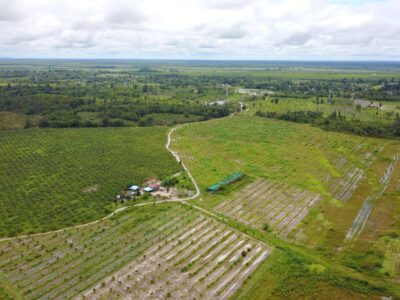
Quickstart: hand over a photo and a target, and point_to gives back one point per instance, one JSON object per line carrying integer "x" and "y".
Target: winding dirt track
{"x": 167, "y": 146}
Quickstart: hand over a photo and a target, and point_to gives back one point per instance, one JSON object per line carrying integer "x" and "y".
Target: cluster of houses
{"x": 151, "y": 185}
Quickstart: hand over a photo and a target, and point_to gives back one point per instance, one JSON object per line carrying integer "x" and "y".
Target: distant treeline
{"x": 98, "y": 96}
{"x": 55, "y": 110}
{"x": 109, "y": 115}
{"x": 337, "y": 122}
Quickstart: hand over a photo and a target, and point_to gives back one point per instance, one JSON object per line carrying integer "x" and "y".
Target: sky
{"x": 201, "y": 29}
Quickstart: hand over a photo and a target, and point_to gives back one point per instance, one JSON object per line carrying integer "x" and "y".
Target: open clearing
{"x": 314, "y": 183}
{"x": 270, "y": 206}
{"x": 299, "y": 155}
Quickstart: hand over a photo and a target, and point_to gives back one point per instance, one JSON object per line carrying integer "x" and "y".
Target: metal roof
{"x": 231, "y": 178}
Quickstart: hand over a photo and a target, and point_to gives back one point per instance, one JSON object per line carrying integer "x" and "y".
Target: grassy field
{"x": 309, "y": 186}
{"x": 14, "y": 121}
{"x": 295, "y": 74}
{"x": 285, "y": 276}
{"x": 297, "y": 154}
{"x": 346, "y": 107}
{"x": 53, "y": 178}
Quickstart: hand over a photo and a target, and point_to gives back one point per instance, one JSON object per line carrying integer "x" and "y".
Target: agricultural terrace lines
{"x": 157, "y": 250}
{"x": 204, "y": 260}
{"x": 61, "y": 265}
{"x": 269, "y": 205}
{"x": 362, "y": 217}
{"x": 344, "y": 187}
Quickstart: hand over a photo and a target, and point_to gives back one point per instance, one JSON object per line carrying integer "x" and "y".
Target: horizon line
{"x": 206, "y": 59}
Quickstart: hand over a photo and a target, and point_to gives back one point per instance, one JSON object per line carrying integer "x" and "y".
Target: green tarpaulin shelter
{"x": 228, "y": 180}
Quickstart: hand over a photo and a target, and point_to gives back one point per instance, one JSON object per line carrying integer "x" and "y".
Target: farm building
{"x": 134, "y": 188}
{"x": 151, "y": 180}
{"x": 155, "y": 186}
{"x": 226, "y": 181}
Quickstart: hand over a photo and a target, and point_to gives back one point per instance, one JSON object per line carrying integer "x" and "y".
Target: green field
{"x": 316, "y": 215}
{"x": 170, "y": 250}
{"x": 279, "y": 159}
{"x": 295, "y": 159}
{"x": 297, "y": 154}
{"x": 293, "y": 73}
{"x": 346, "y": 107}
{"x": 53, "y": 178}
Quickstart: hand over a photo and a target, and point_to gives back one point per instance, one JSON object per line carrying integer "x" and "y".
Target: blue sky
{"x": 210, "y": 29}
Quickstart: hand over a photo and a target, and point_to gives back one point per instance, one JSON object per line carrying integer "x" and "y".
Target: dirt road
{"x": 167, "y": 146}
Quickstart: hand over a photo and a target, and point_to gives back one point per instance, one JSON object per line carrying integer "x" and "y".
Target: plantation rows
{"x": 360, "y": 220}
{"x": 344, "y": 187}
{"x": 203, "y": 260}
{"x": 270, "y": 205}
{"x": 56, "y": 178}
{"x": 61, "y": 265}
{"x": 387, "y": 175}
{"x": 362, "y": 217}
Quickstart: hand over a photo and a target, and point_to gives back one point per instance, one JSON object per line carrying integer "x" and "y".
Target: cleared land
{"x": 54, "y": 178}
{"x": 60, "y": 266}
{"x": 158, "y": 250}
{"x": 352, "y": 172}
{"x": 299, "y": 155}
{"x": 297, "y": 162}
{"x": 366, "y": 209}
{"x": 346, "y": 107}
{"x": 270, "y": 206}
{"x": 203, "y": 260}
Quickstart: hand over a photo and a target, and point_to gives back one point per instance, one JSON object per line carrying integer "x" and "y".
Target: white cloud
{"x": 9, "y": 11}
{"x": 243, "y": 29}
